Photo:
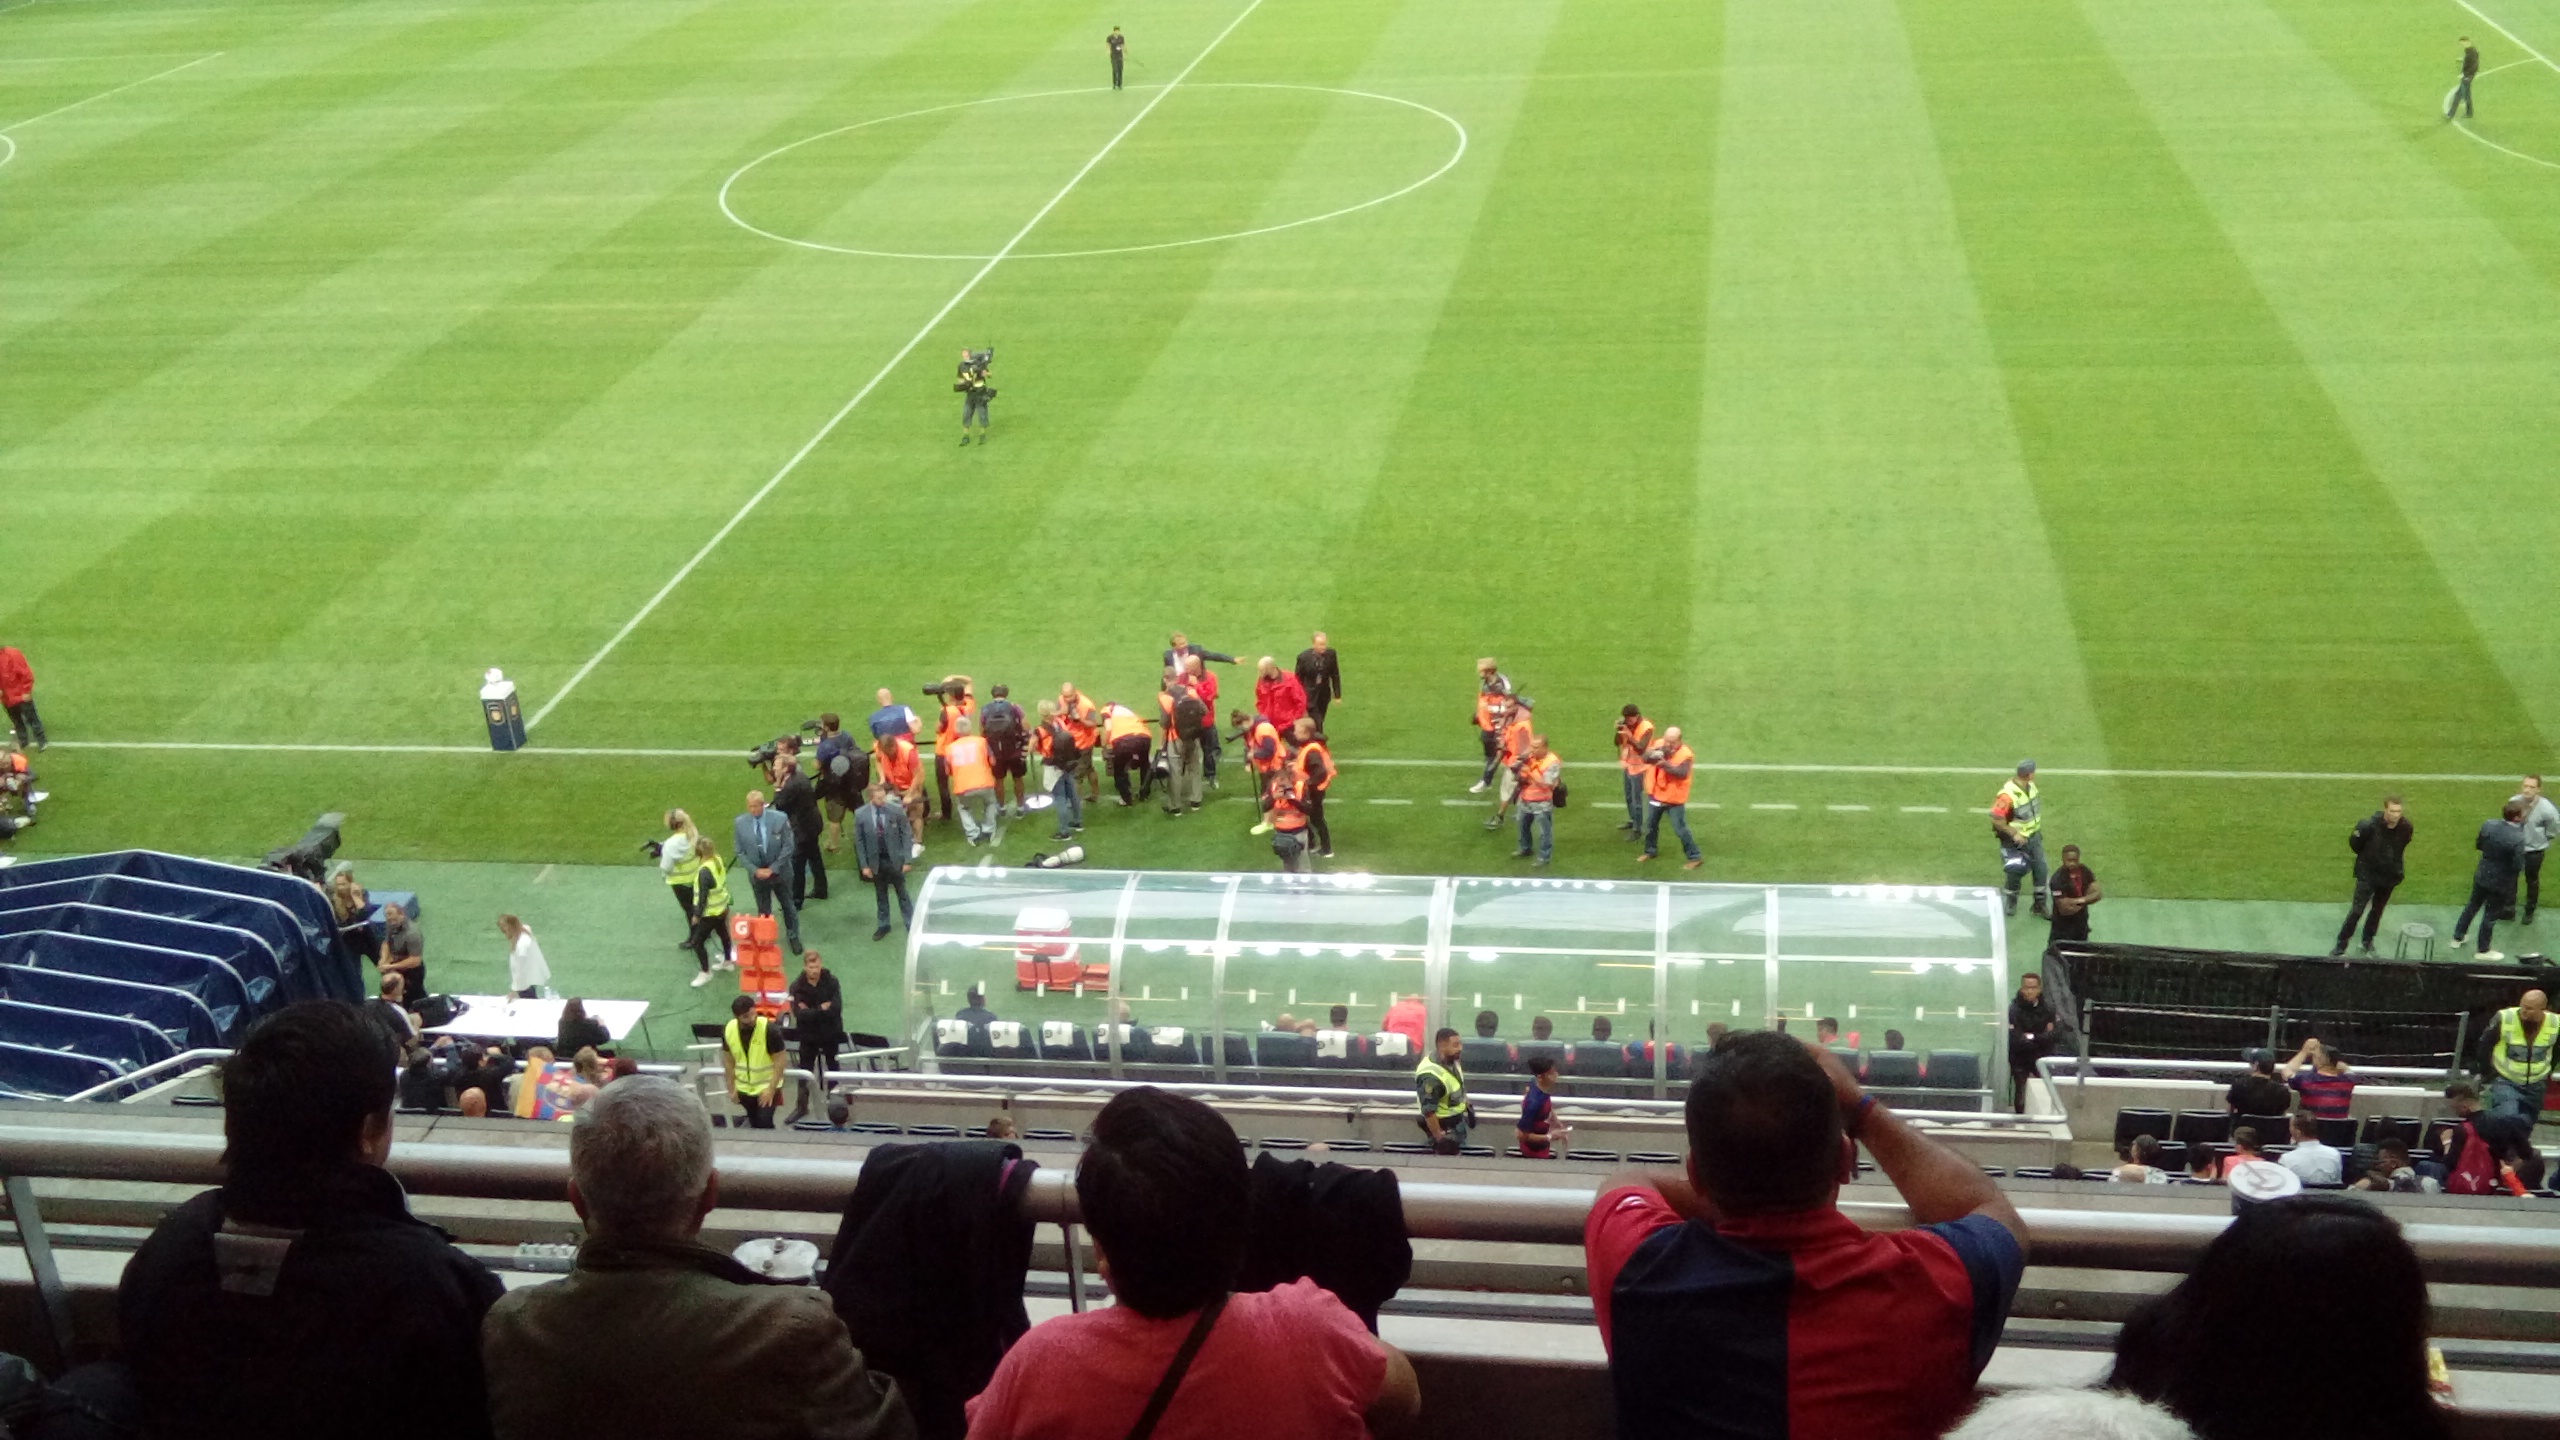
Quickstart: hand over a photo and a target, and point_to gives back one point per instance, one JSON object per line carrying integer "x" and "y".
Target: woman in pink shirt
{"x": 1164, "y": 1191}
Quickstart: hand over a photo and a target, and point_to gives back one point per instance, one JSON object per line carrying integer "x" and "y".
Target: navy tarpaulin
{"x": 306, "y": 902}
{"x": 182, "y": 1017}
{"x": 33, "y": 1074}
{"x": 307, "y": 974}
{"x": 217, "y": 985}
{"x": 245, "y": 952}
{"x": 121, "y": 1041}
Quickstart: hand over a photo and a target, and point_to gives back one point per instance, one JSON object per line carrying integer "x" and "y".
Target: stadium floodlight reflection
{"x": 1075, "y": 957}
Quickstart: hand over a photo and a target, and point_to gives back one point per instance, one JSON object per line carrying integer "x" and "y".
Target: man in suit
{"x": 883, "y": 843}
{"x": 1320, "y": 674}
{"x": 1180, "y": 645}
{"x": 766, "y": 853}
{"x": 797, "y": 798}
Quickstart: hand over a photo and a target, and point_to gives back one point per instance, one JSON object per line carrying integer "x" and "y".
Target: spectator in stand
{"x": 527, "y": 971}
{"x": 404, "y": 949}
{"x": 2328, "y": 1089}
{"x": 654, "y": 1325}
{"x": 817, "y": 1017}
{"x": 390, "y": 1010}
{"x": 579, "y": 1030}
{"x": 473, "y": 1103}
{"x": 763, "y": 838}
{"x": 1404, "y": 1017}
{"x": 623, "y": 1067}
{"x": 352, "y": 908}
{"x": 269, "y": 1309}
{"x": 2035, "y": 1031}
{"x": 2259, "y": 1092}
{"x": 426, "y": 1078}
{"x": 2204, "y": 1164}
{"x": 750, "y": 1064}
{"x": 2317, "y": 1162}
{"x": 590, "y": 1074}
{"x": 2381, "y": 843}
{"x": 2078, "y": 1414}
{"x": 485, "y": 1073}
{"x": 1739, "y": 1301}
{"x": 796, "y": 796}
{"x": 2493, "y": 881}
{"x": 2393, "y": 1170}
{"x": 1277, "y": 696}
{"x": 1319, "y": 672}
{"x": 2504, "y": 1132}
{"x": 18, "y": 693}
{"x": 2141, "y": 1163}
{"x": 1002, "y": 1127}
{"x": 2245, "y": 1145}
{"x": 1537, "y": 1127}
{"x": 1161, "y": 1186}
{"x": 2205, "y": 1349}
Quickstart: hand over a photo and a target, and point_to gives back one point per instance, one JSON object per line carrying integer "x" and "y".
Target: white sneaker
{"x": 701, "y": 978}
{"x": 2456, "y": 943}
{"x": 919, "y": 850}
{"x": 2492, "y": 955}
{"x": 1476, "y": 789}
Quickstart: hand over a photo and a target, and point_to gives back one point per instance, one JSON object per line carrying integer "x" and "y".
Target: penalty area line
{"x": 895, "y": 361}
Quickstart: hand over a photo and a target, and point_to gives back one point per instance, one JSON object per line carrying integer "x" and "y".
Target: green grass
{"x": 2138, "y": 387}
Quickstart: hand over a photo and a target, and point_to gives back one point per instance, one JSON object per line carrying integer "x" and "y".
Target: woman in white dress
{"x": 527, "y": 971}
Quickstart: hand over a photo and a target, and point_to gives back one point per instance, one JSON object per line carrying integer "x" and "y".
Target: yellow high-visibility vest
{"x": 753, "y": 1059}
{"x": 2521, "y": 1060}
{"x": 2025, "y": 813}
{"x": 1453, "y": 1089}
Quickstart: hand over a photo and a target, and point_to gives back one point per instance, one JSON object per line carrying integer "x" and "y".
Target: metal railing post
{"x": 2461, "y": 1036}
{"x": 1075, "y": 1266}
{"x": 2275, "y": 1028}
{"x": 40, "y": 1265}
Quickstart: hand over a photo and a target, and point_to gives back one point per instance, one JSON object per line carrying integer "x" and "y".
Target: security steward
{"x": 1441, "y": 1082}
{"x": 975, "y": 388}
{"x": 1085, "y": 723}
{"x": 2017, "y": 818}
{"x": 1669, "y": 766}
{"x": 1311, "y": 761}
{"x": 1493, "y": 712}
{"x": 2520, "y": 1048}
{"x": 1285, "y": 816}
{"x": 710, "y": 911}
{"x": 957, "y": 704}
{"x": 1635, "y": 736}
{"x": 1518, "y": 725}
{"x": 1125, "y": 736}
{"x": 901, "y": 768}
{"x": 747, "y": 1049}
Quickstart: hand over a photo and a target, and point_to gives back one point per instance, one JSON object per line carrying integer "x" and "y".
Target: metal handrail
{"x": 179, "y": 1063}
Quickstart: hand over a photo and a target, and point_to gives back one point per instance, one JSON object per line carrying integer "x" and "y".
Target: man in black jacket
{"x": 284, "y": 1304}
{"x": 1320, "y": 675}
{"x": 2379, "y": 840}
{"x": 2493, "y": 882}
{"x": 797, "y": 799}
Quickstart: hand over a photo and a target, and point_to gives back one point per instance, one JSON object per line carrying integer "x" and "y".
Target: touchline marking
{"x": 103, "y": 94}
{"x": 1924, "y": 809}
{"x": 1772, "y": 805}
{"x": 2503, "y": 30}
{"x": 1848, "y": 807}
{"x": 1729, "y": 766}
{"x": 873, "y": 383}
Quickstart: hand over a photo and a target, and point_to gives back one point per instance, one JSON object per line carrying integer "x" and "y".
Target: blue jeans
{"x": 1064, "y": 799}
{"x": 1655, "y": 813}
{"x": 2024, "y": 859}
{"x": 2508, "y": 1098}
{"x": 1540, "y": 814}
{"x": 1635, "y": 801}
{"x": 2461, "y": 99}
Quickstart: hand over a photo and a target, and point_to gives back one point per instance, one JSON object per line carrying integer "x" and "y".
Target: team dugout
{"x": 1178, "y": 976}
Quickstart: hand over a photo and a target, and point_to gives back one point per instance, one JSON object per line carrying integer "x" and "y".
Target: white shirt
{"x": 525, "y": 966}
{"x": 677, "y": 851}
{"x": 2316, "y": 1163}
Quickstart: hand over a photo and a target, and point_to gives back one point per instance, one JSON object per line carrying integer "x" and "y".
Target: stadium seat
{"x": 959, "y": 1040}
{"x": 1952, "y": 1070}
{"x": 2173, "y": 1155}
{"x": 1341, "y": 1050}
{"x": 2032, "y": 1172}
{"x": 1051, "y": 1136}
{"x": 2338, "y": 1133}
{"x": 1285, "y": 1050}
{"x": 1900, "y": 1070}
{"x": 1237, "y": 1047}
{"x": 1597, "y": 1058}
{"x": 1408, "y": 1147}
{"x": 876, "y": 1127}
{"x": 1486, "y": 1057}
{"x": 2201, "y": 1126}
{"x": 1640, "y": 1061}
{"x": 1349, "y": 1147}
{"x": 817, "y": 1125}
{"x": 1284, "y": 1142}
{"x": 1011, "y": 1040}
{"x": 1392, "y": 1050}
{"x": 1063, "y": 1040}
{"x": 2273, "y": 1130}
{"x": 1598, "y": 1157}
{"x": 1653, "y": 1157}
{"x": 2129, "y": 1123}
{"x": 1476, "y": 1152}
{"x": 1851, "y": 1056}
{"x": 2413, "y": 1130}
{"x": 1170, "y": 1045}
{"x": 1528, "y": 1050}
{"x": 935, "y": 1132}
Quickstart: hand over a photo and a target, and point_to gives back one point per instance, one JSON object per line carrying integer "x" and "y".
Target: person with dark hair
{"x": 580, "y": 1031}
{"x": 2493, "y": 881}
{"x": 2259, "y": 1092}
{"x": 2501, "y": 1132}
{"x": 2074, "y": 889}
{"x": 1600, "y": 1028}
{"x": 1541, "y": 1028}
{"x": 1339, "y": 1017}
{"x": 2035, "y": 1031}
{"x": 1826, "y": 1031}
{"x": 2393, "y": 1170}
{"x": 1740, "y": 1301}
{"x": 1634, "y": 737}
{"x": 2204, "y": 1350}
{"x": 1893, "y": 1040}
{"x": 1319, "y": 672}
{"x": 269, "y": 1309}
{"x": 1487, "y": 1024}
{"x": 795, "y": 794}
{"x": 1164, "y": 1189}
{"x": 2141, "y": 1163}
{"x": 883, "y": 846}
{"x": 1537, "y": 1127}
{"x": 817, "y": 1018}
{"x": 749, "y": 1044}
{"x": 2381, "y": 843}
{"x": 665, "y": 1330}
{"x": 2329, "y": 1088}
{"x": 2204, "y": 1164}
{"x": 2313, "y": 1159}
{"x": 1441, "y": 1083}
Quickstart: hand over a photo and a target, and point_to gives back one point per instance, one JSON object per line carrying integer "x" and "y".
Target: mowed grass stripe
{"x": 1867, "y": 538}
{"x": 2425, "y": 326}
{"x": 2234, "y": 566}
{"x": 1536, "y": 500}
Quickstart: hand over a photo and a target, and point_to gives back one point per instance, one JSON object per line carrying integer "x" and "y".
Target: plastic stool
{"x": 2418, "y": 933}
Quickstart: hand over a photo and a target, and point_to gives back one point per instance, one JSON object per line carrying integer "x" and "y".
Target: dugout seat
{"x": 1011, "y": 1040}
{"x": 1486, "y": 1057}
{"x": 1952, "y": 1070}
{"x": 1596, "y": 1059}
{"x": 1640, "y": 1061}
{"x": 1341, "y": 1050}
{"x": 960, "y": 1040}
{"x": 1064, "y": 1040}
{"x": 1237, "y": 1049}
{"x": 1528, "y": 1050}
{"x": 1171, "y": 1045}
{"x": 1392, "y": 1050}
{"x": 1900, "y": 1070}
{"x": 1285, "y": 1050}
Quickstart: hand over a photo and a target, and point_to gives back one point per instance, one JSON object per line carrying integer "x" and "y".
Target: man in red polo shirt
{"x": 1740, "y": 1304}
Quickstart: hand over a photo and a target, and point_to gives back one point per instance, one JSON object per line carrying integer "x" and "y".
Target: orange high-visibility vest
{"x": 970, "y": 769}
{"x": 1515, "y": 739}
{"x": 945, "y": 732}
{"x": 1633, "y": 736}
{"x": 1538, "y": 778}
{"x": 1662, "y": 788}
{"x": 1285, "y": 811}
{"x": 1298, "y": 765}
{"x": 899, "y": 761}
{"x": 1078, "y": 713}
{"x": 1120, "y": 722}
{"x": 1262, "y": 742}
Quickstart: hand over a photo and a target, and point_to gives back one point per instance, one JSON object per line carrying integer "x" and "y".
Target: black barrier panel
{"x": 2151, "y": 1002}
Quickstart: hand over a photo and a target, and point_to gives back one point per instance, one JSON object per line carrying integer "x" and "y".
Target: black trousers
{"x": 1492, "y": 752}
{"x": 24, "y": 720}
{"x": 1130, "y": 753}
{"x": 805, "y": 862}
{"x": 942, "y": 783}
{"x": 2485, "y": 903}
{"x": 883, "y": 882}
{"x": 1116, "y": 61}
{"x": 707, "y": 928}
{"x": 1314, "y": 806}
{"x": 818, "y": 1061}
{"x": 2367, "y": 894}
{"x": 2532, "y": 882}
{"x": 759, "y": 1111}
{"x": 1318, "y": 702}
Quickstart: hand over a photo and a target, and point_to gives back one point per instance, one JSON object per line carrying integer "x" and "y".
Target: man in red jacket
{"x": 18, "y": 692}
{"x": 1278, "y": 697}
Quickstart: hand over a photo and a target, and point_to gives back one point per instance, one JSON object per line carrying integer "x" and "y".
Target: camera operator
{"x": 797, "y": 798}
{"x": 844, "y": 772}
{"x": 900, "y": 768}
{"x": 1083, "y": 722}
{"x": 959, "y": 702}
{"x": 1131, "y": 748}
{"x": 678, "y": 860}
{"x": 1008, "y": 739}
{"x": 18, "y": 792}
{"x": 975, "y": 388}
{"x": 1065, "y": 756}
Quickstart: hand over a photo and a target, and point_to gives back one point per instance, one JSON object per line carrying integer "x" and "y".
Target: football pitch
{"x": 1884, "y": 392}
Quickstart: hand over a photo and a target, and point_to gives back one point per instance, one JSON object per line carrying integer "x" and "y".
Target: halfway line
{"x": 864, "y": 393}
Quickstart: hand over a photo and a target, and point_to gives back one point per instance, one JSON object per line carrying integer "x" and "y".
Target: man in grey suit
{"x": 883, "y": 842}
{"x": 765, "y": 852}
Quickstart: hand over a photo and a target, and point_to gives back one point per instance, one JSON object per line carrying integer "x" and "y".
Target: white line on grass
{"x": 103, "y": 94}
{"x": 873, "y": 383}
{"x": 2503, "y": 30}
{"x": 1729, "y": 766}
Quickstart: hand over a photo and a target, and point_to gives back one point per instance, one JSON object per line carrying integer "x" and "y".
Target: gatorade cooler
{"x": 505, "y": 714}
{"x": 1044, "y": 951}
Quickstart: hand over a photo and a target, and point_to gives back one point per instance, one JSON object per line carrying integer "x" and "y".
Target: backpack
{"x": 1190, "y": 717}
{"x": 2475, "y": 1165}
{"x": 1002, "y": 722}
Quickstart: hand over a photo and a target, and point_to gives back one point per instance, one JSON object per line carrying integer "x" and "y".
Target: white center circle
{"x": 1457, "y": 153}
